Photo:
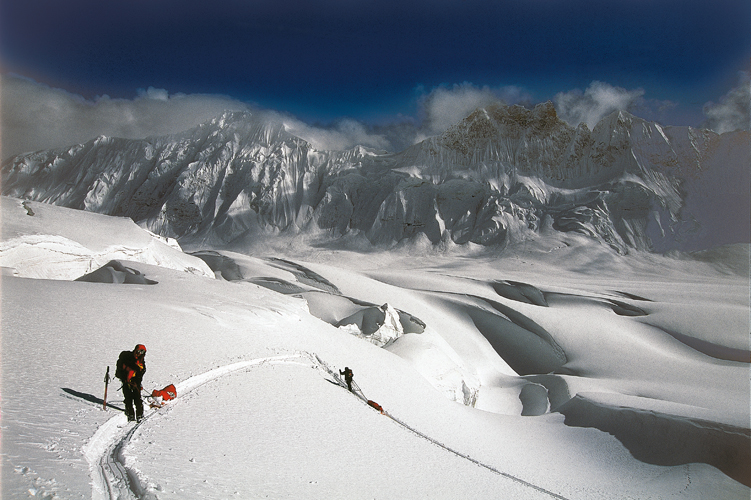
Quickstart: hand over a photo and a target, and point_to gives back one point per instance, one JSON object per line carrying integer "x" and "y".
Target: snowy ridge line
{"x": 68, "y": 259}
{"x": 358, "y": 392}
{"x": 111, "y": 478}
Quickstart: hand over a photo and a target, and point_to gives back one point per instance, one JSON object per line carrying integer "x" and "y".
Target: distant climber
{"x": 131, "y": 365}
{"x": 347, "y": 377}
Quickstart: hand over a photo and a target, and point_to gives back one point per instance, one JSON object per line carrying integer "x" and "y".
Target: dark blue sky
{"x": 369, "y": 59}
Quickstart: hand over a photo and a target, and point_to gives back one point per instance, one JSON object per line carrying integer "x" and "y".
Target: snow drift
{"x": 39, "y": 241}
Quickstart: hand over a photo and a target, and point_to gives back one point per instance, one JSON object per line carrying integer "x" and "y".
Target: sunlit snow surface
{"x": 557, "y": 369}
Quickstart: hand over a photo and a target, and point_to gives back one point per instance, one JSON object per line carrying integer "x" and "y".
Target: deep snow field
{"x": 555, "y": 369}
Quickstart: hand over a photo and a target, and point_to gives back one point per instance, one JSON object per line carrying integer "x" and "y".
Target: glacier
{"x": 502, "y": 175}
{"x": 562, "y": 369}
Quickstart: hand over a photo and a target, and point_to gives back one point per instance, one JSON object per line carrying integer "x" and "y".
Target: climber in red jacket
{"x": 131, "y": 365}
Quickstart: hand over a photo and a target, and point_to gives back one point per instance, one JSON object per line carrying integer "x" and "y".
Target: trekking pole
{"x": 106, "y": 383}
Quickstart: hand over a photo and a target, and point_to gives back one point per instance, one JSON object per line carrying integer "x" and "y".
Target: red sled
{"x": 375, "y": 405}
{"x": 167, "y": 394}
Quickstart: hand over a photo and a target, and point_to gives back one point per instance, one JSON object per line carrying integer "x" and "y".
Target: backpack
{"x": 119, "y": 370}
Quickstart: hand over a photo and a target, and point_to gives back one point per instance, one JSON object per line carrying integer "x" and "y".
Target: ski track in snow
{"x": 358, "y": 392}
{"x": 113, "y": 480}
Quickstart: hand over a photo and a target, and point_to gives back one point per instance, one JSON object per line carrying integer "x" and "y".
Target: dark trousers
{"x": 133, "y": 397}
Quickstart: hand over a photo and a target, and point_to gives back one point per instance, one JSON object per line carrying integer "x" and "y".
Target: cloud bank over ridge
{"x": 36, "y": 116}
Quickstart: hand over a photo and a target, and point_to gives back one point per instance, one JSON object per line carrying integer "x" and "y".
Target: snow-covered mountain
{"x": 499, "y": 176}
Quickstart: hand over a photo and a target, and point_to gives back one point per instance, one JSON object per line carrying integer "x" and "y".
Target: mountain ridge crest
{"x": 503, "y": 174}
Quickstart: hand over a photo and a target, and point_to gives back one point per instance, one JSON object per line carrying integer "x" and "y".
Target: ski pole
{"x": 106, "y": 383}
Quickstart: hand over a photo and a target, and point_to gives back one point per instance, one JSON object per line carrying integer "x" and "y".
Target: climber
{"x": 131, "y": 365}
{"x": 347, "y": 377}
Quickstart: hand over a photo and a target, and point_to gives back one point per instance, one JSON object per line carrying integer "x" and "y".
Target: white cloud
{"x": 446, "y": 106}
{"x": 344, "y": 134}
{"x": 599, "y": 100}
{"x": 156, "y": 94}
{"x": 733, "y": 112}
{"x": 36, "y": 116}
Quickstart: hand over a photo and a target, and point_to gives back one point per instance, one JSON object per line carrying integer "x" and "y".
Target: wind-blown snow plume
{"x": 344, "y": 134}
{"x": 599, "y": 100}
{"x": 733, "y": 112}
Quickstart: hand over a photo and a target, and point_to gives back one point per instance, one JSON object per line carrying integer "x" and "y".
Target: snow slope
{"x": 546, "y": 372}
